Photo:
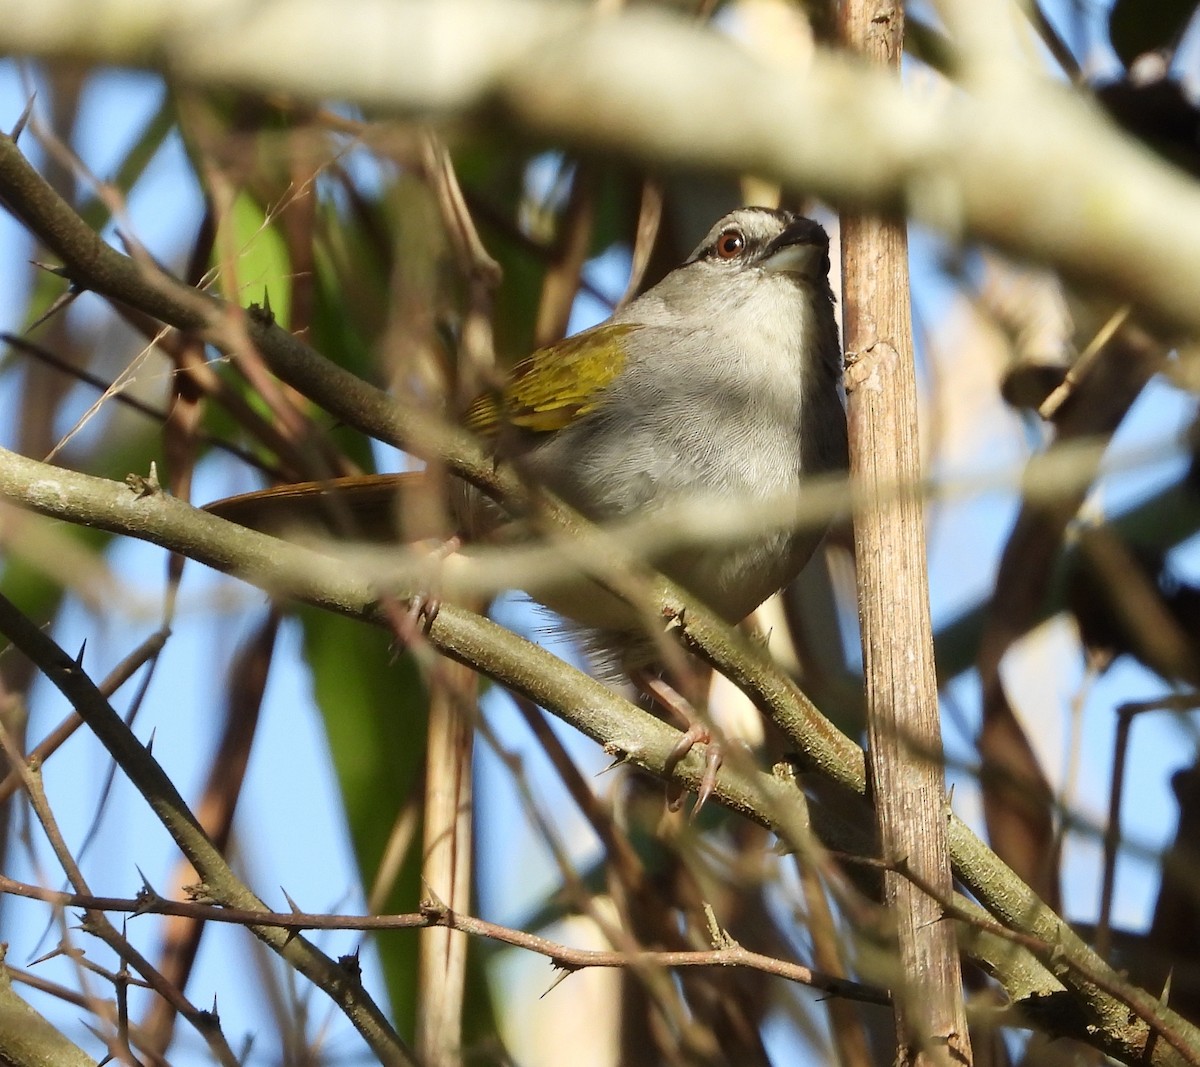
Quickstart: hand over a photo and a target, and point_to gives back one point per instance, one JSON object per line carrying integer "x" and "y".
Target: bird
{"x": 721, "y": 384}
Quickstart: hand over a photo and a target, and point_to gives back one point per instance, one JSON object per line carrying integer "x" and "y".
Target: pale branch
{"x": 1098, "y": 206}
{"x": 26, "y": 1038}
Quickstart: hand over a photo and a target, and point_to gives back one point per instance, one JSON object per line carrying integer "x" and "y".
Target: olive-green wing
{"x": 555, "y": 385}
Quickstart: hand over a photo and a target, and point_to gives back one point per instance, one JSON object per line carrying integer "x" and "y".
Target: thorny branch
{"x": 149, "y": 902}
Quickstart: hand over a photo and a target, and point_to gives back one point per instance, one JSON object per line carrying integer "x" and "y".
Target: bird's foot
{"x": 422, "y": 610}
{"x": 671, "y": 700}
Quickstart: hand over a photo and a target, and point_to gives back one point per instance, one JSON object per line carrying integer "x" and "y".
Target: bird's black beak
{"x": 802, "y": 248}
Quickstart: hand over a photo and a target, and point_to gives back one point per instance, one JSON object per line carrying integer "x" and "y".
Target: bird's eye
{"x": 731, "y": 244}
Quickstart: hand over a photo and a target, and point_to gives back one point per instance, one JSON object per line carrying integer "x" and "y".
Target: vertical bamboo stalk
{"x": 446, "y": 867}
{"x": 907, "y": 782}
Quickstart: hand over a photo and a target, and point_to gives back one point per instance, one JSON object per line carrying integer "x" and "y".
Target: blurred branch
{"x": 1101, "y": 208}
{"x": 1164, "y": 520}
{"x": 1017, "y": 797}
{"x": 26, "y": 1038}
{"x": 117, "y": 393}
{"x": 95, "y": 265}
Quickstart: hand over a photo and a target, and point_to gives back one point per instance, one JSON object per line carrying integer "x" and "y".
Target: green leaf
{"x": 375, "y": 710}
{"x": 259, "y": 257}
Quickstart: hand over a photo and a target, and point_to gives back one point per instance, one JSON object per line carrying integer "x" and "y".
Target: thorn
{"x": 211, "y": 1017}
{"x": 147, "y": 896}
{"x": 261, "y": 315}
{"x": 266, "y": 304}
{"x": 1165, "y": 995}
{"x": 148, "y": 485}
{"x": 150, "y": 743}
{"x": 59, "y": 950}
{"x": 61, "y": 302}
{"x": 718, "y": 935}
{"x": 60, "y": 271}
{"x": 131, "y": 246}
{"x": 247, "y": 1046}
{"x": 619, "y": 758}
{"x": 79, "y": 655}
{"x": 291, "y": 931}
{"x": 710, "y": 920}
{"x": 432, "y": 907}
{"x": 23, "y": 121}
{"x": 567, "y": 970}
{"x": 351, "y": 965}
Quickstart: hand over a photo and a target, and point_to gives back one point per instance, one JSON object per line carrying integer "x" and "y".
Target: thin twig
{"x": 222, "y": 884}
{"x": 94, "y": 920}
{"x": 562, "y": 956}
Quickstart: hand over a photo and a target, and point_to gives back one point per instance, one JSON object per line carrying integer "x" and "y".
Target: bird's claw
{"x": 695, "y": 733}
